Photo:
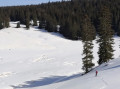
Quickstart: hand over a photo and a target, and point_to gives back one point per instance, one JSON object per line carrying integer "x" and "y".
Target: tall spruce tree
{"x": 27, "y": 19}
{"x": 105, "y": 36}
{"x": 118, "y": 29}
{"x": 18, "y": 25}
{"x": 42, "y": 23}
{"x": 1, "y": 23}
{"x": 49, "y": 26}
{"x": 88, "y": 34}
{"x": 1, "y": 26}
{"x": 6, "y": 22}
{"x": 22, "y": 16}
{"x": 34, "y": 19}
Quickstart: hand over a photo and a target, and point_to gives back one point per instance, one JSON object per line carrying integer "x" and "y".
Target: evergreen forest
{"x": 69, "y": 15}
{"x": 75, "y": 20}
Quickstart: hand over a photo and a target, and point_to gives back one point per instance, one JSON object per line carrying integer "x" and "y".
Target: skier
{"x": 96, "y": 73}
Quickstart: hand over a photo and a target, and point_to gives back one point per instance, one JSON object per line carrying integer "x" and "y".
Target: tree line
{"x": 68, "y": 14}
{"x": 78, "y": 19}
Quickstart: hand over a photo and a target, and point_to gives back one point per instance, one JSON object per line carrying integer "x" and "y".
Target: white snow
{"x": 37, "y": 59}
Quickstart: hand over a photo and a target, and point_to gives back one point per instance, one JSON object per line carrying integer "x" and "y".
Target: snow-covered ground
{"x": 36, "y": 59}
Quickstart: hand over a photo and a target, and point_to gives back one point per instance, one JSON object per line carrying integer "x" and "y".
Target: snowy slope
{"x": 108, "y": 78}
{"x": 36, "y": 59}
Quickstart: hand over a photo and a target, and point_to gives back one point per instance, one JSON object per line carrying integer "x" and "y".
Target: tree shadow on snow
{"x": 118, "y": 66}
{"x": 46, "y": 81}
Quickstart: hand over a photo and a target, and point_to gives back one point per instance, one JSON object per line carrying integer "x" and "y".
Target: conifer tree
{"x": 6, "y": 22}
{"x": 34, "y": 19}
{"x": 18, "y": 25}
{"x": 105, "y": 36}
{"x": 27, "y": 19}
{"x": 66, "y": 29}
{"x": 74, "y": 31}
{"x": 59, "y": 12}
{"x": 49, "y": 27}
{"x": 88, "y": 34}
{"x": 1, "y": 24}
{"x": 118, "y": 29}
{"x": 22, "y": 17}
{"x": 40, "y": 25}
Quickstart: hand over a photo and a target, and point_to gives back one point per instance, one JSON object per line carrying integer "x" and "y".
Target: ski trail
{"x": 106, "y": 84}
{"x": 104, "y": 81}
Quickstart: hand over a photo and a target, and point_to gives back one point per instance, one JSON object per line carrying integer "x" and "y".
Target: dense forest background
{"x": 75, "y": 19}
{"x": 69, "y": 15}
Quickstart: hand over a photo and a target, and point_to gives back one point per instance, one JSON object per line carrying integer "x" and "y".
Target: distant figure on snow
{"x": 96, "y": 73}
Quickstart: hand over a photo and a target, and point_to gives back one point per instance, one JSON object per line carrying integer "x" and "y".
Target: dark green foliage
{"x": 42, "y": 24}
{"x": 70, "y": 29}
{"x": 65, "y": 30}
{"x": 18, "y": 25}
{"x": 21, "y": 17}
{"x": 1, "y": 23}
{"x": 27, "y": 21}
{"x": 49, "y": 27}
{"x": 1, "y": 26}
{"x": 74, "y": 31}
{"x": 34, "y": 19}
{"x": 105, "y": 36}
{"x": 118, "y": 30}
{"x": 6, "y": 22}
{"x": 65, "y": 13}
{"x": 87, "y": 60}
{"x": 88, "y": 34}
{"x": 27, "y": 24}
{"x": 88, "y": 29}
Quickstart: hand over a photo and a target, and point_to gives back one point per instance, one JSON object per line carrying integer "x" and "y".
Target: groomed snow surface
{"x": 37, "y": 59}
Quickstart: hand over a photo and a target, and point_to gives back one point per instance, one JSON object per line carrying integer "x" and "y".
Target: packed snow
{"x": 37, "y": 59}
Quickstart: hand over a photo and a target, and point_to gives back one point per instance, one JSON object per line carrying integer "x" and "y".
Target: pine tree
{"x": 118, "y": 29}
{"x": 49, "y": 27}
{"x": 66, "y": 29}
{"x": 74, "y": 31}
{"x": 22, "y": 16}
{"x": 6, "y": 22}
{"x": 18, "y": 25}
{"x": 40, "y": 25}
{"x": 34, "y": 19}
{"x": 105, "y": 36}
{"x": 27, "y": 19}
{"x": 1, "y": 25}
{"x": 88, "y": 34}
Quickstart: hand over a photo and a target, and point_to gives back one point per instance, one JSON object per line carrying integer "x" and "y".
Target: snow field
{"x": 36, "y": 59}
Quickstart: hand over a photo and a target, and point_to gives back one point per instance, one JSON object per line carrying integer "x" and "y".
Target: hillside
{"x": 36, "y": 59}
{"x": 108, "y": 78}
